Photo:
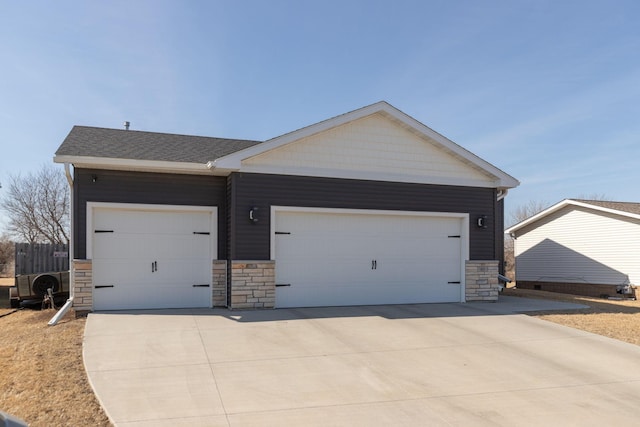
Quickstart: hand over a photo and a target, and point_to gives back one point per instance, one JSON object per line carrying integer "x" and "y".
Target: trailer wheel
{"x": 43, "y": 282}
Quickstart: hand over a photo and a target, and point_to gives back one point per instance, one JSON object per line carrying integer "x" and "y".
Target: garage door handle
{"x": 154, "y": 266}
{"x": 103, "y": 286}
{"x": 453, "y": 283}
{"x": 374, "y": 264}
{"x": 279, "y": 285}
{"x": 200, "y": 286}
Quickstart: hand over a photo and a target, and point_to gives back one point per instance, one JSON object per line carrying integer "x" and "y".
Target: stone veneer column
{"x": 219, "y": 283}
{"x": 253, "y": 284}
{"x": 481, "y": 279}
{"x": 82, "y": 286}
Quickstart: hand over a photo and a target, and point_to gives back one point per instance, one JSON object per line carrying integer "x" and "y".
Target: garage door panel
{"x": 323, "y": 294}
{"x": 152, "y": 259}
{"x": 147, "y": 297}
{"x": 353, "y": 258}
{"x": 187, "y": 246}
{"x": 145, "y": 222}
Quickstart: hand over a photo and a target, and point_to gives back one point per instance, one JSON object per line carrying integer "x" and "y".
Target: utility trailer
{"x": 40, "y": 267}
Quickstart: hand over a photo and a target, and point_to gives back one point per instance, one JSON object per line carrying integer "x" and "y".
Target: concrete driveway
{"x": 410, "y": 365}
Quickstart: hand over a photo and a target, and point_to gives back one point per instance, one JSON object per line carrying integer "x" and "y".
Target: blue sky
{"x": 548, "y": 91}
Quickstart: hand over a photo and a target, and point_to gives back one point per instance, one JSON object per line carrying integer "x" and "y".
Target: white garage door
{"x": 151, "y": 258}
{"x": 325, "y": 259}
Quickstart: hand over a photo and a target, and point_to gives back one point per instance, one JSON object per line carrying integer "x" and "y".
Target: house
{"x": 584, "y": 247}
{"x": 369, "y": 207}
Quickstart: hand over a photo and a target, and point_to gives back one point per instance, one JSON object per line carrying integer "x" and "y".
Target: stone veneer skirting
{"x": 253, "y": 284}
{"x": 481, "y": 281}
{"x": 82, "y": 286}
{"x": 219, "y": 283}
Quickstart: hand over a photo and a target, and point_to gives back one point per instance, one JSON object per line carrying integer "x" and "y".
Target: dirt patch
{"x": 43, "y": 379}
{"x": 611, "y": 318}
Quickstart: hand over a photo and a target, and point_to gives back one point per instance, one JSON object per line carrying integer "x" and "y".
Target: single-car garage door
{"x": 152, "y": 257}
{"x": 357, "y": 258}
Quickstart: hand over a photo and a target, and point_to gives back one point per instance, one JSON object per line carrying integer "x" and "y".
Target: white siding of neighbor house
{"x": 373, "y": 147}
{"x": 579, "y": 245}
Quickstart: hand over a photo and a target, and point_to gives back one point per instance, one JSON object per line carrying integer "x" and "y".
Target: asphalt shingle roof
{"x": 139, "y": 145}
{"x": 629, "y": 207}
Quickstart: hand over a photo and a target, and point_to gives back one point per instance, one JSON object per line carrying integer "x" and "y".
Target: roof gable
{"x": 376, "y": 142}
{"x": 623, "y": 209}
{"x": 375, "y": 147}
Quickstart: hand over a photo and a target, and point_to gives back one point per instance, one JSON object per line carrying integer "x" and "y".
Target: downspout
{"x": 65, "y": 308}
{"x": 502, "y": 193}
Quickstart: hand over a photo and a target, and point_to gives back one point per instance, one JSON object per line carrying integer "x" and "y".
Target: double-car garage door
{"x": 338, "y": 257}
{"x": 151, "y": 257}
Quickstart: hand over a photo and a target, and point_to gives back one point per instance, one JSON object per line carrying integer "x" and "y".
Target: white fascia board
{"x": 565, "y": 203}
{"x": 135, "y": 165}
{"x": 234, "y": 160}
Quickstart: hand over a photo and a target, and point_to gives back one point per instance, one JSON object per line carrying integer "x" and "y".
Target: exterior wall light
{"x": 253, "y": 214}
{"x": 481, "y": 222}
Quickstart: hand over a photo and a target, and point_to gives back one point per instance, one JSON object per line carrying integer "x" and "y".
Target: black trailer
{"x": 40, "y": 267}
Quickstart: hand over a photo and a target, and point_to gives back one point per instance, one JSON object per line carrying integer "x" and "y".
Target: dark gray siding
{"x": 499, "y": 231}
{"x": 142, "y": 187}
{"x": 251, "y": 241}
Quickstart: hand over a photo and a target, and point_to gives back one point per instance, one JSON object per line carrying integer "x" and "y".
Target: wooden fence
{"x": 41, "y": 258}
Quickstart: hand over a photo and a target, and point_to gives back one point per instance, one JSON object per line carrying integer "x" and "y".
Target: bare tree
{"x": 37, "y": 206}
{"x": 594, "y": 196}
{"x": 7, "y": 252}
{"x": 527, "y": 210}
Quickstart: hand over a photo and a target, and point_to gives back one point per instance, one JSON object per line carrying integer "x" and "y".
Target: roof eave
{"x": 134, "y": 164}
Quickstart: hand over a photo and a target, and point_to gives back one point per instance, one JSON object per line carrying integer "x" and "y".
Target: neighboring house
{"x": 584, "y": 247}
{"x": 369, "y": 207}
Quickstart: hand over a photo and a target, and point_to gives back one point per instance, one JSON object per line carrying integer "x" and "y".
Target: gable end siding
{"x": 251, "y": 240}
{"x": 146, "y": 188}
{"x": 374, "y": 147}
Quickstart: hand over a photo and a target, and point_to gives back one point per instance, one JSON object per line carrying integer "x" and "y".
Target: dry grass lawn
{"x": 611, "y": 318}
{"x": 42, "y": 377}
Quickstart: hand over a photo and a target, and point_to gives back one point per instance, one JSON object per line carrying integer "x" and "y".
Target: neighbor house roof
{"x": 632, "y": 208}
{"x": 625, "y": 209}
